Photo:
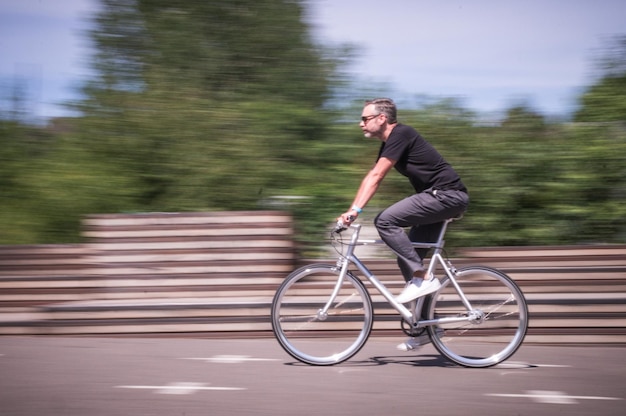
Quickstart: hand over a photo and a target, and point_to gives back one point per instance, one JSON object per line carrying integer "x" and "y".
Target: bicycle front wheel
{"x": 491, "y": 331}
{"x": 308, "y": 334}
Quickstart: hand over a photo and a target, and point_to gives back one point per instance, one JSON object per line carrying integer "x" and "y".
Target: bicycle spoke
{"x": 496, "y": 326}
{"x": 312, "y": 336}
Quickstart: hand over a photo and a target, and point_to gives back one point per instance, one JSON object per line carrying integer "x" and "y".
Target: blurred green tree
{"x": 605, "y": 100}
{"x": 207, "y": 105}
{"x": 228, "y": 105}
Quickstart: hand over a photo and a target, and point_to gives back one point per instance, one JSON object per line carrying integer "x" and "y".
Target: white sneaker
{"x": 418, "y": 287}
{"x": 414, "y": 343}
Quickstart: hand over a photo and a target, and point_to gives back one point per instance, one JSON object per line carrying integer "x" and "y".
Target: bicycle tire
{"x": 501, "y": 318}
{"x": 316, "y": 340}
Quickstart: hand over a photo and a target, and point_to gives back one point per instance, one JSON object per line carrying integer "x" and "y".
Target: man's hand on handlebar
{"x": 347, "y": 218}
{"x": 344, "y": 221}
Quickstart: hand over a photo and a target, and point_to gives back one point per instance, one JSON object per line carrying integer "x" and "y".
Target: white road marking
{"x": 230, "y": 359}
{"x": 180, "y": 388}
{"x": 514, "y": 365}
{"x": 553, "y": 397}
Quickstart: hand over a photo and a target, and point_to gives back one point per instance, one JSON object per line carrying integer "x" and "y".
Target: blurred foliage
{"x": 604, "y": 101}
{"x": 223, "y": 105}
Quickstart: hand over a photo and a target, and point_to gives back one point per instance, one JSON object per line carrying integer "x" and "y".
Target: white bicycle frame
{"x": 411, "y": 317}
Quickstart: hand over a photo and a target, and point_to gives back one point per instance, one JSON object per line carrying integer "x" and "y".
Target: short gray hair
{"x": 385, "y": 106}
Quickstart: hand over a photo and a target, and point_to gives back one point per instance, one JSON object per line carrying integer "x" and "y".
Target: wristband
{"x": 356, "y": 209}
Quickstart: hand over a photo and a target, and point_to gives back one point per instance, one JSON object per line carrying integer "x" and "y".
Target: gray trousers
{"x": 424, "y": 213}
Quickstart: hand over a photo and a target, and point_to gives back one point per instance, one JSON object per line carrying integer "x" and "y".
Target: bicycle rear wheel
{"x": 304, "y": 332}
{"x": 499, "y": 318}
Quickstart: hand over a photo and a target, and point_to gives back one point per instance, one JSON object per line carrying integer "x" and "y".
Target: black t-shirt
{"x": 419, "y": 161}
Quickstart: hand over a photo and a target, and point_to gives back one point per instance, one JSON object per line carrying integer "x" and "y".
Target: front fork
{"x": 342, "y": 265}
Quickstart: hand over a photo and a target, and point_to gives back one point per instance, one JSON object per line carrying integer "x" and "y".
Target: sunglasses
{"x": 365, "y": 119}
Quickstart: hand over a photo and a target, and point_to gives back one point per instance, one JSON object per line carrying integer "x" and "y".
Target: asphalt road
{"x": 50, "y": 376}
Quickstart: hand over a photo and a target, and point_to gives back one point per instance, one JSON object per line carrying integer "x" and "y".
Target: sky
{"x": 491, "y": 54}
{"x": 43, "y": 53}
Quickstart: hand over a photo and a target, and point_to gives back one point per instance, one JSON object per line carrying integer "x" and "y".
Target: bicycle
{"x": 322, "y": 314}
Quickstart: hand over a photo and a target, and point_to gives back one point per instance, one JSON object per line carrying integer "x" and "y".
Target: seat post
{"x": 442, "y": 233}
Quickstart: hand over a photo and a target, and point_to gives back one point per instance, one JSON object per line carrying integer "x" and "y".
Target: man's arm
{"x": 368, "y": 187}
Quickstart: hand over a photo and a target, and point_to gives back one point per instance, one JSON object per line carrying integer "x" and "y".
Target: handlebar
{"x": 340, "y": 226}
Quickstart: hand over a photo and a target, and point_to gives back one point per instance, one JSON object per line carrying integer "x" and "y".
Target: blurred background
{"x": 254, "y": 104}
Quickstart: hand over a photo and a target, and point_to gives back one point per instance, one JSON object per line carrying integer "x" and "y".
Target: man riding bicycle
{"x": 439, "y": 194}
